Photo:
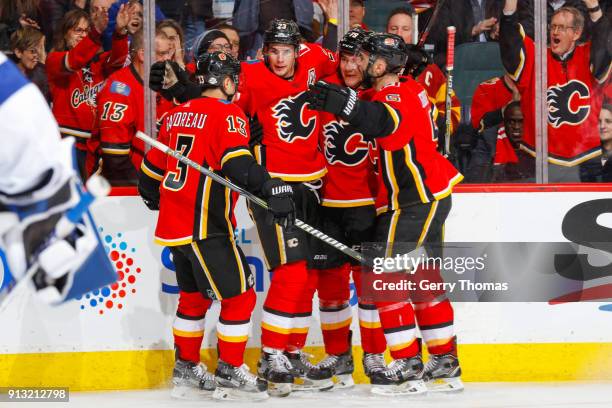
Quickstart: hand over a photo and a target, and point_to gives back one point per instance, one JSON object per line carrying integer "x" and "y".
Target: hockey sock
{"x": 397, "y": 320}
{"x": 334, "y": 308}
{"x": 284, "y": 310}
{"x": 188, "y": 327}
{"x": 372, "y": 335}
{"x": 301, "y": 323}
{"x": 233, "y": 327}
{"x": 435, "y": 321}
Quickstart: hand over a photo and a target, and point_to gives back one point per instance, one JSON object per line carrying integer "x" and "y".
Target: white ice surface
{"x": 476, "y": 395}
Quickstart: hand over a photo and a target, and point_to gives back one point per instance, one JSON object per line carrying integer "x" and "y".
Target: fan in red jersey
{"x": 274, "y": 91}
{"x": 121, "y": 115}
{"x": 414, "y": 195}
{"x": 576, "y": 73}
{"x": 194, "y": 221}
{"x": 76, "y": 70}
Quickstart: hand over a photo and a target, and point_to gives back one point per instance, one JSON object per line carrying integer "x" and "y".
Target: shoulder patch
{"x": 393, "y": 98}
{"x": 491, "y": 81}
{"x": 423, "y": 98}
{"x": 120, "y": 88}
{"x": 224, "y": 101}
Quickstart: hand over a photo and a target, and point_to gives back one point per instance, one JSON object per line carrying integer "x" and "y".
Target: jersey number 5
{"x": 175, "y": 180}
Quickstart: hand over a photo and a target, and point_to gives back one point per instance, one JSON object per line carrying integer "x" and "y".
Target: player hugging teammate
{"x": 373, "y": 135}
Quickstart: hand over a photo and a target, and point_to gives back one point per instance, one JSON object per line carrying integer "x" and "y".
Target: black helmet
{"x": 212, "y": 68}
{"x": 353, "y": 39}
{"x": 390, "y": 47}
{"x": 283, "y": 32}
{"x": 418, "y": 59}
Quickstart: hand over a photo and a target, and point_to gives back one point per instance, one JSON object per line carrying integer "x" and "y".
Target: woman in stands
{"x": 28, "y": 46}
{"x": 76, "y": 69}
{"x": 174, "y": 32}
{"x": 605, "y": 134}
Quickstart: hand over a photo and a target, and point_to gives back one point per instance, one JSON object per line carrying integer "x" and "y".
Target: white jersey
{"x": 30, "y": 140}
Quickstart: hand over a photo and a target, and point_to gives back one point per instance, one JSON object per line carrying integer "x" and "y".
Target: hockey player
{"x": 194, "y": 221}
{"x": 347, "y": 214}
{"x": 575, "y": 72}
{"x": 273, "y": 90}
{"x": 414, "y": 196}
{"x": 76, "y": 70}
{"x": 420, "y": 67}
{"x": 38, "y": 185}
{"x": 121, "y": 114}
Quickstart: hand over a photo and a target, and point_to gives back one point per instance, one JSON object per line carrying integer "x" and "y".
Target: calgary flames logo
{"x": 568, "y": 103}
{"x": 344, "y": 145}
{"x": 293, "y": 119}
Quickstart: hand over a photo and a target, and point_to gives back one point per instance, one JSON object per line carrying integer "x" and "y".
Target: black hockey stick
{"x": 251, "y": 197}
{"x": 430, "y": 23}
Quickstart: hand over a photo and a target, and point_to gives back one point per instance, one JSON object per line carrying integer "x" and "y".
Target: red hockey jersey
{"x": 573, "y": 101}
{"x": 121, "y": 114}
{"x": 434, "y": 81}
{"x": 192, "y": 206}
{"x": 410, "y": 167}
{"x": 489, "y": 99}
{"x": 76, "y": 77}
{"x": 350, "y": 180}
{"x": 289, "y": 149}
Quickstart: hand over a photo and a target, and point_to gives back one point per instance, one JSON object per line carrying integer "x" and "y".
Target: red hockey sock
{"x": 334, "y": 308}
{"x": 436, "y": 325}
{"x": 372, "y": 335}
{"x": 397, "y": 320}
{"x": 233, "y": 327}
{"x": 188, "y": 327}
{"x": 285, "y": 310}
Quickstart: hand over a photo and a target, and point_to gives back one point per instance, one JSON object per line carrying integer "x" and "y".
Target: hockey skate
{"x": 342, "y": 367}
{"x": 274, "y": 367}
{"x": 308, "y": 377}
{"x": 443, "y": 373}
{"x": 191, "y": 381}
{"x": 238, "y": 384}
{"x": 372, "y": 363}
{"x": 402, "y": 377}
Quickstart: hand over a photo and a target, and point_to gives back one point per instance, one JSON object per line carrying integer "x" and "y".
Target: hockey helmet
{"x": 390, "y": 47}
{"x": 353, "y": 39}
{"x": 282, "y": 31}
{"x": 212, "y": 68}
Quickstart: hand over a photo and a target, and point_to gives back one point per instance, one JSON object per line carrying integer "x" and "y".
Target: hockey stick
{"x": 251, "y": 197}
{"x": 97, "y": 186}
{"x": 430, "y": 23}
{"x": 450, "y": 62}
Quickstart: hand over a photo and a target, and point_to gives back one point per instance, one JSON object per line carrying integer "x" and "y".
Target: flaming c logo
{"x": 568, "y": 104}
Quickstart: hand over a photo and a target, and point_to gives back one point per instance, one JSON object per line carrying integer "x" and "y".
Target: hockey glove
{"x": 156, "y": 76}
{"x": 339, "y": 100}
{"x": 279, "y": 197}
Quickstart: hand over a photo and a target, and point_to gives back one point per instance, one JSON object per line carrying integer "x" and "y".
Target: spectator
{"x": 400, "y": 22}
{"x": 76, "y": 71}
{"x": 191, "y": 15}
{"x": 252, "y": 18}
{"x": 112, "y": 15}
{"x": 211, "y": 41}
{"x": 574, "y": 100}
{"x": 510, "y": 163}
{"x": 15, "y": 14}
{"x": 233, "y": 36}
{"x": 357, "y": 13}
{"x": 174, "y": 32}
{"x": 605, "y": 134}
{"x": 121, "y": 113}
{"x": 136, "y": 17}
{"x": 55, "y": 10}
{"x": 488, "y": 104}
{"x": 28, "y": 46}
